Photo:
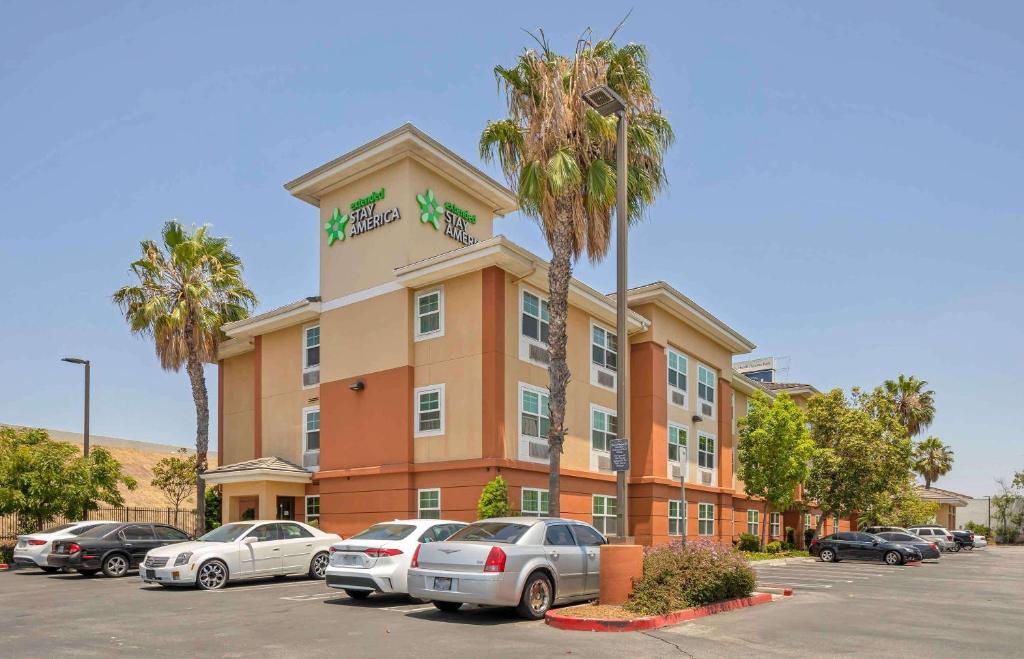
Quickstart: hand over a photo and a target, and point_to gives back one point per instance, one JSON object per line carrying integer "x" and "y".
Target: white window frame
{"x": 685, "y": 448}
{"x": 524, "y": 440}
{"x": 439, "y": 388}
{"x": 807, "y": 521}
{"x": 439, "y": 332}
{"x": 775, "y": 524}
{"x": 600, "y": 368}
{"x": 714, "y": 389}
{"x": 604, "y": 516}
{"x": 595, "y": 453}
{"x": 542, "y": 510}
{"x": 686, "y": 374}
{"x": 305, "y": 508}
{"x": 754, "y": 522}
{"x": 306, "y": 368}
{"x": 526, "y": 341}
{"x": 419, "y": 502}
{"x": 705, "y": 523}
{"x": 305, "y": 433}
{"x": 713, "y": 452}
{"x": 684, "y": 520}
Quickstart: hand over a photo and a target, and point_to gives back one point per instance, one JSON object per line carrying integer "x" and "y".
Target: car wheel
{"x": 318, "y": 566}
{"x": 49, "y": 569}
{"x": 827, "y": 555}
{"x": 213, "y": 575}
{"x": 893, "y": 558}
{"x": 115, "y": 565}
{"x": 357, "y": 594}
{"x": 956, "y": 548}
{"x": 536, "y": 599}
{"x": 88, "y": 573}
{"x": 447, "y": 607}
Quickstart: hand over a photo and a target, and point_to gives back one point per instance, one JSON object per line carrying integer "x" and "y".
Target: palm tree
{"x": 915, "y": 406}
{"x": 558, "y": 155}
{"x": 187, "y": 289}
{"x": 932, "y": 459}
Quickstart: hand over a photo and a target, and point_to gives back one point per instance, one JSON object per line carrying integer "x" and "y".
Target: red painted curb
{"x": 4, "y": 566}
{"x": 787, "y": 592}
{"x": 652, "y": 622}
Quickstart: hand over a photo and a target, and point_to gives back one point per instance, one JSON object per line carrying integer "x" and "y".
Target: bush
{"x": 494, "y": 500}
{"x": 749, "y": 542}
{"x": 808, "y": 536}
{"x": 980, "y": 529}
{"x": 6, "y": 553}
{"x": 773, "y": 547}
{"x": 697, "y": 573}
{"x": 790, "y": 537}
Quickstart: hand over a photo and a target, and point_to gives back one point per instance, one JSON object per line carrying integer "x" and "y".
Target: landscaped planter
{"x": 560, "y": 620}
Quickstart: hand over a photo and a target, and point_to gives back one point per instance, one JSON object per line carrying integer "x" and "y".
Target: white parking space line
{"x": 242, "y": 589}
{"x": 804, "y": 577}
{"x": 797, "y": 585}
{"x": 830, "y": 575}
{"x": 310, "y": 598}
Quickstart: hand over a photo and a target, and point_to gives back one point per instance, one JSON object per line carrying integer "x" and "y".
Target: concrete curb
{"x": 772, "y": 562}
{"x": 652, "y": 622}
{"x": 777, "y": 590}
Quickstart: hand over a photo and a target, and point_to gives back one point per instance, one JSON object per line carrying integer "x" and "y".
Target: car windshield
{"x": 490, "y": 532}
{"x": 385, "y": 532}
{"x": 99, "y": 531}
{"x": 226, "y": 533}
{"x": 55, "y": 529}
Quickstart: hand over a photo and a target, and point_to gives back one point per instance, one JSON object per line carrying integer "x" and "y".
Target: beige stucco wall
{"x": 366, "y": 337}
{"x": 267, "y": 491}
{"x": 283, "y": 396}
{"x": 238, "y": 408}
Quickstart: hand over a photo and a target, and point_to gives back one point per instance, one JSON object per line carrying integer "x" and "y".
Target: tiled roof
{"x": 936, "y": 493}
{"x": 781, "y": 386}
{"x": 272, "y": 463}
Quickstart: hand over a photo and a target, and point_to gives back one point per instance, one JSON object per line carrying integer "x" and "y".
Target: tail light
{"x": 814, "y": 542}
{"x": 415, "y": 562}
{"x": 950, "y": 538}
{"x": 74, "y": 548}
{"x": 933, "y": 545}
{"x": 495, "y": 560}
{"x": 36, "y": 543}
{"x": 377, "y": 553}
{"x": 332, "y": 549}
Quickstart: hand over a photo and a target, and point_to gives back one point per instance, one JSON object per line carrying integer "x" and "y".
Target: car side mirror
{"x": 249, "y": 540}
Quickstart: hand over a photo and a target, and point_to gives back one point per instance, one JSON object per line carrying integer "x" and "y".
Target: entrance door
{"x": 285, "y": 507}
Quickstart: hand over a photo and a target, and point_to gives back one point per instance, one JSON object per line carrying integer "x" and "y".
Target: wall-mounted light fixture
{"x": 697, "y": 418}
{"x": 358, "y": 385}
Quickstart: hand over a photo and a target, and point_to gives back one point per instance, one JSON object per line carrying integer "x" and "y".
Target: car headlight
{"x": 182, "y": 558}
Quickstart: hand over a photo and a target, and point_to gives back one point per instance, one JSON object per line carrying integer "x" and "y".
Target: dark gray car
{"x": 928, "y": 549}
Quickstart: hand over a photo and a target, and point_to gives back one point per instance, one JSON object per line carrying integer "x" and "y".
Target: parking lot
{"x": 967, "y": 604}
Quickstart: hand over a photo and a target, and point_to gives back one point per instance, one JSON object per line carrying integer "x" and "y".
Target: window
{"x": 706, "y": 390}
{"x": 535, "y": 502}
{"x": 265, "y": 533}
{"x": 170, "y": 533}
{"x": 705, "y": 451}
{"x": 311, "y": 429}
{"x": 535, "y": 317}
{"x": 587, "y": 537}
{"x": 439, "y": 533}
{"x": 705, "y": 519}
{"x": 677, "y": 367}
{"x": 313, "y": 509}
{"x": 429, "y": 504}
{"x": 604, "y": 425}
{"x": 430, "y": 410}
{"x": 429, "y": 314}
{"x": 604, "y": 514}
{"x": 311, "y": 356}
{"x": 753, "y": 522}
{"x": 559, "y": 535}
{"x": 676, "y": 518}
{"x": 604, "y": 349}
{"x": 677, "y": 443}
{"x": 139, "y": 532}
{"x": 293, "y": 532}
{"x": 835, "y": 523}
{"x": 775, "y": 524}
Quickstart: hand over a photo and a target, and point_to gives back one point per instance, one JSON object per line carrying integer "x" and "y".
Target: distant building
{"x": 764, "y": 369}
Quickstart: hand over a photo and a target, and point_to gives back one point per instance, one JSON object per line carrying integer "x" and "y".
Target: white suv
{"x": 938, "y": 535}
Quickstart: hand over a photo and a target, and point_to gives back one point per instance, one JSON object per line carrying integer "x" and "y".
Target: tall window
{"x": 429, "y": 504}
{"x": 430, "y": 314}
{"x": 705, "y": 519}
{"x": 604, "y": 426}
{"x": 706, "y": 387}
{"x": 677, "y": 368}
{"x": 835, "y": 523}
{"x": 807, "y": 521}
{"x": 535, "y": 502}
{"x": 534, "y": 414}
{"x": 604, "y": 514}
{"x": 311, "y": 429}
{"x": 604, "y": 349}
{"x": 753, "y": 522}
{"x": 313, "y": 509}
{"x": 430, "y": 410}
{"x": 311, "y": 356}
{"x": 676, "y": 518}
{"x": 535, "y": 317}
{"x": 705, "y": 451}
{"x": 775, "y": 525}
{"x": 677, "y": 441}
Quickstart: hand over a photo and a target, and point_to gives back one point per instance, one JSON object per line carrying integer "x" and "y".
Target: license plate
{"x": 151, "y": 574}
{"x": 442, "y": 583}
{"x": 351, "y": 560}
{"x": 21, "y": 543}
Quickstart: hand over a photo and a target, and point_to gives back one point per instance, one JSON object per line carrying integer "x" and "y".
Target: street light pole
{"x": 85, "y": 424}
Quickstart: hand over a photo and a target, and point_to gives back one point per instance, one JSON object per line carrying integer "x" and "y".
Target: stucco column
{"x": 725, "y": 436}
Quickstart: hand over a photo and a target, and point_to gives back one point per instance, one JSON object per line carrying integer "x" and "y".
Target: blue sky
{"x": 845, "y": 188}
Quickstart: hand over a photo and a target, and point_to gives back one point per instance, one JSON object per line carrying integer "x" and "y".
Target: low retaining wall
{"x": 652, "y": 622}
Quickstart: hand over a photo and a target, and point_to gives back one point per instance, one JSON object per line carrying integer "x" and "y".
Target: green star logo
{"x": 430, "y": 209}
{"x": 335, "y": 227}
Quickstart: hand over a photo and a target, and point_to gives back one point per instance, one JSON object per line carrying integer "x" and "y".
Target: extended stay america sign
{"x": 364, "y": 216}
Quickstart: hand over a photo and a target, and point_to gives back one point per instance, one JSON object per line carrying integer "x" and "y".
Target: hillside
{"x": 138, "y": 459}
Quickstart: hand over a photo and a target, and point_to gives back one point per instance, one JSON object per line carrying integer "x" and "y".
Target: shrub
{"x": 697, "y": 573}
{"x": 749, "y": 542}
{"x": 980, "y": 529}
{"x": 494, "y": 500}
{"x": 808, "y": 536}
{"x": 773, "y": 547}
{"x": 6, "y": 553}
{"x": 790, "y": 537}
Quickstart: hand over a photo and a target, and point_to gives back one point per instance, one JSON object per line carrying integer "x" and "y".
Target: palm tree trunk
{"x": 559, "y": 275}
{"x": 202, "y": 401}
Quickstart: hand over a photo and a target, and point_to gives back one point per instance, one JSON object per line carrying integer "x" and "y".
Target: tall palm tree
{"x": 187, "y": 289}
{"x": 558, "y": 154}
{"x": 932, "y": 459}
{"x": 915, "y": 405}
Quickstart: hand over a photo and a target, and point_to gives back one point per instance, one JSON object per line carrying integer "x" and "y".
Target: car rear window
{"x": 506, "y": 532}
{"x": 100, "y": 530}
{"x": 385, "y": 532}
{"x": 55, "y": 529}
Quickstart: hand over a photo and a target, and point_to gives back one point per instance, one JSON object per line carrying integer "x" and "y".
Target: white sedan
{"x": 377, "y": 559}
{"x": 241, "y": 550}
{"x": 33, "y": 549}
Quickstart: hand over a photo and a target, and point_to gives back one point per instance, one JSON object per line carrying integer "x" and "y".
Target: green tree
{"x": 494, "y": 500}
{"x": 175, "y": 477}
{"x": 915, "y": 405}
{"x": 41, "y": 479}
{"x": 187, "y": 289}
{"x": 902, "y": 506}
{"x": 774, "y": 452}
{"x": 558, "y": 154}
{"x": 213, "y": 503}
{"x": 932, "y": 459}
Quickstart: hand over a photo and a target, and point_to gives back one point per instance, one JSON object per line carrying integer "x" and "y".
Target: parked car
{"x": 927, "y": 548}
{"x": 938, "y": 535}
{"x": 527, "y": 562}
{"x": 377, "y": 559}
{"x": 34, "y": 549}
{"x": 113, "y": 547}
{"x": 875, "y": 530}
{"x": 963, "y": 540}
{"x": 980, "y": 541}
{"x": 241, "y": 550}
{"x": 860, "y": 546}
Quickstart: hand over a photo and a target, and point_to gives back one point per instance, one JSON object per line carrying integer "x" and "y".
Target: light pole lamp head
{"x": 74, "y": 360}
{"x": 604, "y": 100}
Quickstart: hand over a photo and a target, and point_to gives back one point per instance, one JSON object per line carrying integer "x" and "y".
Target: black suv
{"x": 113, "y": 548}
{"x": 854, "y": 546}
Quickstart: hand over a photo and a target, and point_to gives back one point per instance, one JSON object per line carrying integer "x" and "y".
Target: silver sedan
{"x": 530, "y": 563}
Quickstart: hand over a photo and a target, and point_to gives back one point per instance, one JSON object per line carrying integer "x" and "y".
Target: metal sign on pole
{"x": 619, "y": 450}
